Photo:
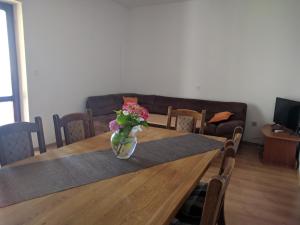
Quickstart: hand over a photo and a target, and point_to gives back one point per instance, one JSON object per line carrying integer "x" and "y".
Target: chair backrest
{"x": 215, "y": 194}
{"x": 76, "y": 127}
{"x": 237, "y": 137}
{"x": 16, "y": 140}
{"x": 186, "y": 119}
{"x": 231, "y": 147}
{"x": 228, "y": 153}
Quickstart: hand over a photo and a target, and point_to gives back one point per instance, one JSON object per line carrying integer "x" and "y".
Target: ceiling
{"x": 135, "y": 3}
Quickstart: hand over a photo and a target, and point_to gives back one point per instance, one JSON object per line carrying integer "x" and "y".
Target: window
{"x": 9, "y": 85}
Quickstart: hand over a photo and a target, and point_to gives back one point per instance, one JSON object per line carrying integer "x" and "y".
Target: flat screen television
{"x": 287, "y": 113}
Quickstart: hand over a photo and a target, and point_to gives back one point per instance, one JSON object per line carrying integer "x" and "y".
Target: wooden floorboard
{"x": 260, "y": 194}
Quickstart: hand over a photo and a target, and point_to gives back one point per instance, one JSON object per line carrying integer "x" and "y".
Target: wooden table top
{"x": 150, "y": 196}
{"x": 267, "y": 132}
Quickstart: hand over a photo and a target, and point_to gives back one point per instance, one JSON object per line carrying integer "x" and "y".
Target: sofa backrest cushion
{"x": 103, "y": 105}
{"x": 238, "y": 109}
{"x": 106, "y": 104}
{"x": 162, "y": 103}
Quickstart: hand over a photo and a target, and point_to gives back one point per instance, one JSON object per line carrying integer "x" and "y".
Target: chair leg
{"x": 221, "y": 220}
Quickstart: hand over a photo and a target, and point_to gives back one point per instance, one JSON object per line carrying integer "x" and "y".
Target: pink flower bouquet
{"x": 129, "y": 120}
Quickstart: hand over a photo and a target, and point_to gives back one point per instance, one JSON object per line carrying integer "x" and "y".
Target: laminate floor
{"x": 260, "y": 194}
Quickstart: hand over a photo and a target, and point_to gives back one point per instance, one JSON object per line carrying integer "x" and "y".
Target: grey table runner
{"x": 38, "y": 179}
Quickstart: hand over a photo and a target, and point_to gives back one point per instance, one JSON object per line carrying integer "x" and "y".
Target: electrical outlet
{"x": 254, "y": 124}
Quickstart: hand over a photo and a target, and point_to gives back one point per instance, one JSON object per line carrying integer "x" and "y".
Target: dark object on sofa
{"x": 103, "y": 108}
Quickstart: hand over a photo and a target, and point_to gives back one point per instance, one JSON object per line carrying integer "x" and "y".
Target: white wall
{"x": 229, "y": 50}
{"x": 73, "y": 50}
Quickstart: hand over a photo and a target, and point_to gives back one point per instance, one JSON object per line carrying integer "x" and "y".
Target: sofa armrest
{"x": 226, "y": 129}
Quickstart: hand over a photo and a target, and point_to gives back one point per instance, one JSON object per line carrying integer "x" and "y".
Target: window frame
{"x": 15, "y": 98}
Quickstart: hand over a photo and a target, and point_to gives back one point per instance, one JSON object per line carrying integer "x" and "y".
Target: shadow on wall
{"x": 254, "y": 122}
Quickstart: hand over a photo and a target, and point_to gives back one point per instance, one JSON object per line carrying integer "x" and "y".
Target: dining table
{"x": 152, "y": 195}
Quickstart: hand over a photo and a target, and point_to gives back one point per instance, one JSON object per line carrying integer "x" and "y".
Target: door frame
{"x": 15, "y": 98}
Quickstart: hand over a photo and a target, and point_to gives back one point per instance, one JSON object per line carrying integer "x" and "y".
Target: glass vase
{"x": 123, "y": 147}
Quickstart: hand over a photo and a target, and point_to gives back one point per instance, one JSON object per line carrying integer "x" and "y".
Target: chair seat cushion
{"x": 178, "y": 222}
{"x": 76, "y": 130}
{"x": 184, "y": 124}
{"x": 191, "y": 211}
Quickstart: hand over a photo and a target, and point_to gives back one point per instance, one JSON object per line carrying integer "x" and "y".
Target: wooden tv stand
{"x": 280, "y": 148}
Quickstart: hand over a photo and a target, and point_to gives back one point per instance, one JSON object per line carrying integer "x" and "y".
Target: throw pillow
{"x": 130, "y": 99}
{"x": 219, "y": 117}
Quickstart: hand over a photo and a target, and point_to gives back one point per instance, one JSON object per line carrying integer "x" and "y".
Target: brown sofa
{"x": 103, "y": 106}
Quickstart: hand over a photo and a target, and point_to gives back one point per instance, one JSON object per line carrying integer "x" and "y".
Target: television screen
{"x": 287, "y": 113}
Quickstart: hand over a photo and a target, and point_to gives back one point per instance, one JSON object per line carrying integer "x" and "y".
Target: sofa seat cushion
{"x": 210, "y": 129}
{"x": 226, "y": 129}
{"x": 101, "y": 123}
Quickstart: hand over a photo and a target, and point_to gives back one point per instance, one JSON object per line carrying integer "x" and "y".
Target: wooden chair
{"x": 76, "y": 127}
{"x": 230, "y": 150}
{"x": 196, "y": 200}
{"x": 16, "y": 141}
{"x": 186, "y": 120}
{"x": 236, "y": 138}
{"x": 213, "y": 200}
{"x": 231, "y": 147}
